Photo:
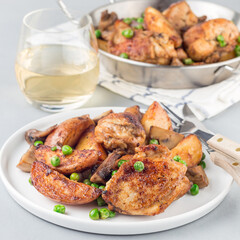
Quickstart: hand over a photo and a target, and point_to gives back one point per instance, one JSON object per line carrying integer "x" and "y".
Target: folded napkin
{"x": 205, "y": 102}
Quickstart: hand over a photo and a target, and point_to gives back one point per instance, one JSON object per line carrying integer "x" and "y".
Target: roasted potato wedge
{"x": 156, "y": 116}
{"x": 88, "y": 141}
{"x": 190, "y": 150}
{"x": 69, "y": 131}
{"x": 75, "y": 162}
{"x": 156, "y": 22}
{"x": 167, "y": 138}
{"x": 59, "y": 188}
{"x": 27, "y": 159}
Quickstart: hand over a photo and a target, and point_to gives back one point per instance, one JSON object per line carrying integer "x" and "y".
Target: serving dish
{"x": 168, "y": 77}
{"x": 183, "y": 211}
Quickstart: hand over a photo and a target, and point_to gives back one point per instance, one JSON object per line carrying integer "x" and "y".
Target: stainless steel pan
{"x": 168, "y": 77}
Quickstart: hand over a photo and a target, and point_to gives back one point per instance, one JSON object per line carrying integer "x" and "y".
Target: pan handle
{"x": 229, "y": 69}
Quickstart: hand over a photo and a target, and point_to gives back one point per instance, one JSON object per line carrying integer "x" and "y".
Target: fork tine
{"x": 172, "y": 113}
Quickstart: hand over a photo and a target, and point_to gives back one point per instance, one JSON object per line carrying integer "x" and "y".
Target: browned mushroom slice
{"x": 33, "y": 135}
{"x": 103, "y": 172}
{"x": 198, "y": 176}
{"x": 59, "y": 188}
{"x": 69, "y": 131}
{"x": 27, "y": 160}
{"x": 75, "y": 162}
{"x": 135, "y": 110}
{"x": 96, "y": 119}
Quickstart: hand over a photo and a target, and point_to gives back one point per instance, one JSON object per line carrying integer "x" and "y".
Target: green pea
{"x": 94, "y": 185}
{"x": 139, "y": 26}
{"x": 177, "y": 158}
{"x": 30, "y": 181}
{"x": 222, "y": 44}
{"x": 94, "y": 214}
{"x": 138, "y": 166}
{"x": 59, "y": 208}
{"x": 101, "y": 187}
{"x": 54, "y": 148}
{"x": 87, "y": 181}
{"x": 194, "y": 189}
{"x": 153, "y": 141}
{"x": 121, "y": 162}
{"x": 203, "y": 164}
{"x": 101, "y": 202}
{"x": 127, "y": 20}
{"x": 104, "y": 213}
{"x": 128, "y": 33}
{"x": 74, "y": 177}
{"x": 111, "y": 214}
{"x": 36, "y": 143}
{"x": 188, "y": 61}
{"x": 66, "y": 150}
{"x": 98, "y": 33}
{"x": 140, "y": 20}
{"x": 203, "y": 156}
{"x": 113, "y": 172}
{"x": 238, "y": 39}
{"x": 237, "y": 50}
{"x": 183, "y": 162}
{"x": 55, "y": 161}
{"x": 124, "y": 55}
{"x": 220, "y": 38}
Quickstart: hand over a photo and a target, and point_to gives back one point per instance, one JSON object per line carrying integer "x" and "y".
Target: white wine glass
{"x": 57, "y": 64}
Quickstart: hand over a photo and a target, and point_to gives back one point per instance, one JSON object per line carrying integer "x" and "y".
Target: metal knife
{"x": 223, "y": 152}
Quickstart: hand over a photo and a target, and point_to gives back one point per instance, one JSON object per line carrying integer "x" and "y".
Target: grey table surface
{"x": 15, "y": 222}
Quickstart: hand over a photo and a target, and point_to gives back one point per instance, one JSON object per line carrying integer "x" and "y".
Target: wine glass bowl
{"x": 57, "y": 65}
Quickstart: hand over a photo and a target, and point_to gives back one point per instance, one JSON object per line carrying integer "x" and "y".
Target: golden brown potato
{"x": 189, "y": 149}
{"x": 156, "y": 116}
{"x": 69, "y": 131}
{"x": 156, "y": 22}
{"x": 59, "y": 188}
{"x": 75, "y": 162}
{"x": 88, "y": 141}
{"x": 167, "y": 138}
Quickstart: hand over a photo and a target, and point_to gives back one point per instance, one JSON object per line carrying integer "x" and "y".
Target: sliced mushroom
{"x": 96, "y": 119}
{"x": 103, "y": 172}
{"x": 27, "y": 160}
{"x": 33, "y": 135}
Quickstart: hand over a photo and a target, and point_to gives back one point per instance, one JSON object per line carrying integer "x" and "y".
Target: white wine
{"x": 57, "y": 74}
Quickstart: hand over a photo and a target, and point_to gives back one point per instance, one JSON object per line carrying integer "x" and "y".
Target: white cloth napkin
{"x": 205, "y": 102}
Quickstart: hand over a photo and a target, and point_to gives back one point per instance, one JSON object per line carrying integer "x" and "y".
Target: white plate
{"x": 180, "y": 212}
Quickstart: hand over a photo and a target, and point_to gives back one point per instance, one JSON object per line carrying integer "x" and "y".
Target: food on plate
{"x": 78, "y": 161}
{"x": 120, "y": 131}
{"x": 131, "y": 161}
{"x": 150, "y": 191}
{"x": 156, "y": 116}
{"x": 189, "y": 149}
{"x": 68, "y": 132}
{"x": 175, "y": 37}
{"x": 59, "y": 188}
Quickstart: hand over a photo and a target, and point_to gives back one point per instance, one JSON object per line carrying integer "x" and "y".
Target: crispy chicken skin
{"x": 78, "y": 161}
{"x": 68, "y": 132}
{"x": 144, "y": 46}
{"x": 180, "y": 16}
{"x": 120, "y": 131}
{"x": 156, "y": 22}
{"x": 148, "y": 192}
{"x": 201, "y": 40}
{"x": 59, "y": 188}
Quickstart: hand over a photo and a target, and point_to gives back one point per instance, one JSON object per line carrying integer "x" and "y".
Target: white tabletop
{"x": 15, "y": 222}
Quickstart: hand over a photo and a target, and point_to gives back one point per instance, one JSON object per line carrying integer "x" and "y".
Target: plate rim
{"x": 58, "y": 219}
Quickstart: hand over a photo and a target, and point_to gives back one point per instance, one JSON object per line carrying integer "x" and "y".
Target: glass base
{"x": 54, "y": 108}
